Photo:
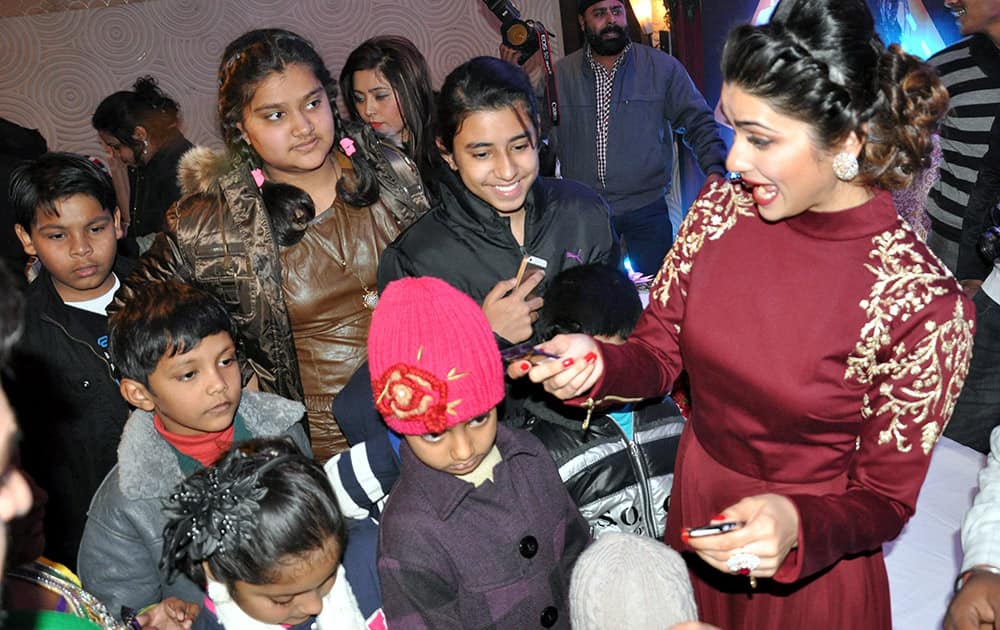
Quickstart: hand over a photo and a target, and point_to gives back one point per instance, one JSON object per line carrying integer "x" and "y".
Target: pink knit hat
{"x": 433, "y": 358}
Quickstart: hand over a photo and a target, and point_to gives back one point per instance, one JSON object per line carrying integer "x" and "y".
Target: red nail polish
{"x": 590, "y": 357}
{"x": 685, "y": 536}
{"x": 525, "y": 366}
{"x": 719, "y": 517}
{"x": 744, "y": 571}
{"x": 568, "y": 362}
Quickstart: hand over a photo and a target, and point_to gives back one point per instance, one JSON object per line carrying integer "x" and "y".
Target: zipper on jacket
{"x": 642, "y": 475}
{"x": 590, "y": 404}
{"x": 647, "y": 493}
{"x": 105, "y": 359}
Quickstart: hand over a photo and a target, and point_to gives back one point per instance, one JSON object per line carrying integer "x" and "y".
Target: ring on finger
{"x": 743, "y": 562}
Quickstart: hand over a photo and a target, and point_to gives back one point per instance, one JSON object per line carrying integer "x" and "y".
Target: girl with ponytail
{"x": 286, "y": 226}
{"x": 140, "y": 128}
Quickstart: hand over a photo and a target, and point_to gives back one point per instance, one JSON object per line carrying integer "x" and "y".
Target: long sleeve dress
{"x": 825, "y": 353}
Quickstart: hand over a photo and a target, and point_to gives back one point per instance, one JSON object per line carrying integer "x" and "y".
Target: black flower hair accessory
{"x": 214, "y": 509}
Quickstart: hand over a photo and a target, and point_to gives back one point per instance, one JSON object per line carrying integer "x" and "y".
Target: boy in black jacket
{"x": 617, "y": 464}
{"x": 64, "y": 387}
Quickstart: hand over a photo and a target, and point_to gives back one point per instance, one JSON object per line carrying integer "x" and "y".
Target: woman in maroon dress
{"x": 825, "y": 344}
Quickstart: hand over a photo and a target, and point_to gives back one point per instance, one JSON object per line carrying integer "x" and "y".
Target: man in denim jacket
{"x": 620, "y": 104}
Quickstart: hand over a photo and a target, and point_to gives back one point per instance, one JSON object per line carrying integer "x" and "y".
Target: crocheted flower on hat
{"x": 432, "y": 357}
{"x": 408, "y": 393}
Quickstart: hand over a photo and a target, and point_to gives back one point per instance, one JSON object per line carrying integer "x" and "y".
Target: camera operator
{"x": 977, "y": 410}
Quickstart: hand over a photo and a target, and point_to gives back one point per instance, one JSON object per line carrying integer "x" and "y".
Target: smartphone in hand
{"x": 526, "y": 351}
{"x": 713, "y": 529}
{"x": 529, "y": 265}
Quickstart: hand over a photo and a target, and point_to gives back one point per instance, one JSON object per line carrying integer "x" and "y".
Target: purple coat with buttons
{"x": 497, "y": 556}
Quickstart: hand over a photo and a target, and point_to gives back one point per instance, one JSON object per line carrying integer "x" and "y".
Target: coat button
{"x": 85, "y": 384}
{"x": 528, "y": 547}
{"x": 549, "y": 616}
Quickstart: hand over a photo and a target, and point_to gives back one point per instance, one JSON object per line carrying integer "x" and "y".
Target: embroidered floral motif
{"x": 918, "y": 385}
{"x": 409, "y": 393}
{"x": 711, "y": 216}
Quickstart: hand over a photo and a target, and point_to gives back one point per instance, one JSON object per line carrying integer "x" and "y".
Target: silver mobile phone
{"x": 711, "y": 529}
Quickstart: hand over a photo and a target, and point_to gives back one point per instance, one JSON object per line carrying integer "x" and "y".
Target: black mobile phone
{"x": 526, "y": 351}
{"x": 711, "y": 529}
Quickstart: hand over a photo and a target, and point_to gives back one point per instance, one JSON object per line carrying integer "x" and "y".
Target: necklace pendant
{"x": 370, "y": 300}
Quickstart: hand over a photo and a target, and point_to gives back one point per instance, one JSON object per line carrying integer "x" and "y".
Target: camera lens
{"x": 989, "y": 244}
{"x": 516, "y": 34}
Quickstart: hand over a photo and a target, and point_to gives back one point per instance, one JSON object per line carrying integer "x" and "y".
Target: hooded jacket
{"x": 620, "y": 480}
{"x": 219, "y": 238}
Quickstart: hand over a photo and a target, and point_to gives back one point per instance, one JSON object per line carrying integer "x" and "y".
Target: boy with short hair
{"x": 63, "y": 385}
{"x": 478, "y": 531}
{"x": 175, "y": 348}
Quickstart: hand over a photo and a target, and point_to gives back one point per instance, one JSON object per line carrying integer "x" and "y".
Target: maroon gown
{"x": 825, "y": 353}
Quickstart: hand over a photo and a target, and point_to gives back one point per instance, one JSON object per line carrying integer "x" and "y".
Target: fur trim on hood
{"x": 201, "y": 169}
{"x": 147, "y": 465}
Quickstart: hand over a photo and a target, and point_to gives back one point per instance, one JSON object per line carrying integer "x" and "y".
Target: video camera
{"x": 989, "y": 242}
{"x": 521, "y": 35}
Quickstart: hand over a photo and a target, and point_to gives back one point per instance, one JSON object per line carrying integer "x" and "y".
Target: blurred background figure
{"x": 141, "y": 130}
{"x": 977, "y": 594}
{"x": 17, "y": 144}
{"x": 386, "y": 83}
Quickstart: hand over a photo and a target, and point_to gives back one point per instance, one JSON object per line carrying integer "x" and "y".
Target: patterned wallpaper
{"x": 56, "y": 67}
{"x": 32, "y": 7}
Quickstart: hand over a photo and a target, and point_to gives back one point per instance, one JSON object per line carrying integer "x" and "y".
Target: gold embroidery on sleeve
{"x": 710, "y": 216}
{"x": 919, "y": 384}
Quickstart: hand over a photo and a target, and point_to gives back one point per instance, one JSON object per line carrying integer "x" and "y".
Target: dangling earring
{"x": 845, "y": 166}
{"x": 145, "y": 147}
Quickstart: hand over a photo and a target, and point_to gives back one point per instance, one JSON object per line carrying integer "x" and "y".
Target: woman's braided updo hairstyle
{"x": 821, "y": 62}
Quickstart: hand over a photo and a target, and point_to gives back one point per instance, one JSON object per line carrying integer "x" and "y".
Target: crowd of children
{"x": 211, "y": 462}
{"x": 165, "y": 526}
{"x": 175, "y": 501}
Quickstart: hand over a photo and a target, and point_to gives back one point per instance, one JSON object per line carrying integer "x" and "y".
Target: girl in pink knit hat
{"x": 479, "y": 530}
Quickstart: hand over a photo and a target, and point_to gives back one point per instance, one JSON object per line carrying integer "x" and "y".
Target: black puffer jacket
{"x": 466, "y": 243}
{"x": 620, "y": 483}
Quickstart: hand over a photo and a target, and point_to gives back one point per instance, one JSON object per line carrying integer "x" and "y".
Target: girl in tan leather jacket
{"x": 286, "y": 227}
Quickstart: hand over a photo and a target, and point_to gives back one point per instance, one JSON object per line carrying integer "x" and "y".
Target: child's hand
{"x": 511, "y": 309}
{"x": 575, "y": 372}
{"x": 170, "y": 614}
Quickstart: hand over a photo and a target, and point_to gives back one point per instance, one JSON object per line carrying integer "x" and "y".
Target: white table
{"x": 924, "y": 561}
